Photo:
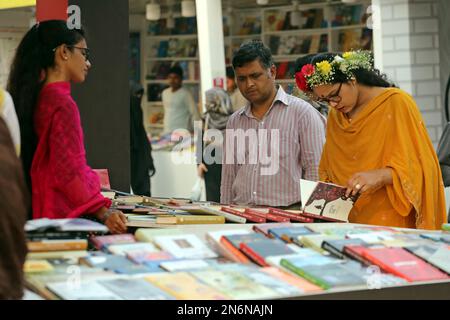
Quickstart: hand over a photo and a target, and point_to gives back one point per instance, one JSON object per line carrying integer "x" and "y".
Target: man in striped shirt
{"x": 271, "y": 143}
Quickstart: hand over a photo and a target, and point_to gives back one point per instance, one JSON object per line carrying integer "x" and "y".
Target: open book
{"x": 325, "y": 200}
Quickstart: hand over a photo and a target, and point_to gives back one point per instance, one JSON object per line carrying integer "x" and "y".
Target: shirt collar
{"x": 281, "y": 96}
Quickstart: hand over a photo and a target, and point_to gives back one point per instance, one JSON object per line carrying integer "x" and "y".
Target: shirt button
{"x": 254, "y": 193}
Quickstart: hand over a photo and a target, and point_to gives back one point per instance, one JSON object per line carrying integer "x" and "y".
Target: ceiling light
{"x": 153, "y": 11}
{"x": 188, "y": 8}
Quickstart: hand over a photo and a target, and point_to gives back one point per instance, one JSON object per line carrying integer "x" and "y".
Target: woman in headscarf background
{"x": 376, "y": 144}
{"x": 142, "y": 167}
{"x": 218, "y": 110}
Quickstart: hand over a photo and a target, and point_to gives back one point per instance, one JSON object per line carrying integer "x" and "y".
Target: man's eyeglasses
{"x": 84, "y": 51}
{"x": 335, "y": 98}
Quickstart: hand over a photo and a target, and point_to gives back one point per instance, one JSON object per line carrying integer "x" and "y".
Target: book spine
{"x": 290, "y": 215}
{"x": 268, "y": 216}
{"x": 64, "y": 235}
{"x": 317, "y": 217}
{"x": 355, "y": 256}
{"x": 226, "y": 215}
{"x": 233, "y": 250}
{"x": 253, "y": 255}
{"x": 41, "y": 246}
{"x": 326, "y": 246}
{"x": 201, "y": 220}
{"x": 252, "y": 218}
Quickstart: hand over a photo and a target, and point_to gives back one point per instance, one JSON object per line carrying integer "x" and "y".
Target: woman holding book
{"x": 377, "y": 143}
{"x": 49, "y": 58}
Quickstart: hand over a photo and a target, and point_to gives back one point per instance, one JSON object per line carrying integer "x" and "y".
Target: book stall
{"x": 176, "y": 249}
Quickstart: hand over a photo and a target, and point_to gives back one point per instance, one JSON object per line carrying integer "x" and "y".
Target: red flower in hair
{"x": 308, "y": 69}
{"x": 301, "y": 81}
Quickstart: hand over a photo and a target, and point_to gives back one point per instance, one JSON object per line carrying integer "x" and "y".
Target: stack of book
{"x": 263, "y": 261}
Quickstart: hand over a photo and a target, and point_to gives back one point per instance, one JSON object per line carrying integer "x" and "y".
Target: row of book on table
{"x": 324, "y": 202}
{"x": 79, "y": 260}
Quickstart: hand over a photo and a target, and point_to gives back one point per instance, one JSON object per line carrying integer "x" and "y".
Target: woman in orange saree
{"x": 376, "y": 144}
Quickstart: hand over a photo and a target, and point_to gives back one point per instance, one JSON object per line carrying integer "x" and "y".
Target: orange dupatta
{"x": 388, "y": 133}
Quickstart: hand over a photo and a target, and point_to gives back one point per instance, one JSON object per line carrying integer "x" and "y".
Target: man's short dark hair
{"x": 176, "y": 70}
{"x": 230, "y": 72}
{"x": 251, "y": 51}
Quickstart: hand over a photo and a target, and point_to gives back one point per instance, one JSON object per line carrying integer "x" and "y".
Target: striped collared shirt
{"x": 274, "y": 154}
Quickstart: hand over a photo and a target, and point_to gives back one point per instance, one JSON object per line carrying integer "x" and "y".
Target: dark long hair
{"x": 34, "y": 55}
{"x": 371, "y": 78}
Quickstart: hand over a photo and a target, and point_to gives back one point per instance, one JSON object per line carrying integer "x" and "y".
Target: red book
{"x": 403, "y": 264}
{"x": 103, "y": 175}
{"x": 259, "y": 250}
{"x": 267, "y": 215}
{"x": 290, "y": 215}
{"x": 249, "y": 217}
{"x": 356, "y": 253}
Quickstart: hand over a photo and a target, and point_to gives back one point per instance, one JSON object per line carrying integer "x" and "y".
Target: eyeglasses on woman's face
{"x": 84, "y": 51}
{"x": 334, "y": 98}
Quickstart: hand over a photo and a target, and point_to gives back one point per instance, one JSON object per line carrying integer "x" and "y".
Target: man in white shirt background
{"x": 180, "y": 109}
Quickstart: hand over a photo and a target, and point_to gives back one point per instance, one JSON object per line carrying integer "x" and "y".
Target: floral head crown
{"x": 323, "y": 72}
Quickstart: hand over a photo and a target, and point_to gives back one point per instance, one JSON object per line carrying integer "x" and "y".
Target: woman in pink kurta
{"x": 48, "y": 59}
{"x": 64, "y": 186}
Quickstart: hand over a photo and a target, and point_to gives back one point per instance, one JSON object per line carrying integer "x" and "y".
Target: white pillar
{"x": 210, "y": 43}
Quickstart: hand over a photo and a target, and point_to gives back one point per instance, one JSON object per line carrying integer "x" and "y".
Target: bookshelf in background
{"x": 164, "y": 48}
{"x": 323, "y": 27}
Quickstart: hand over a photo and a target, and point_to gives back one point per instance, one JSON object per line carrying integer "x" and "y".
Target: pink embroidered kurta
{"x": 63, "y": 185}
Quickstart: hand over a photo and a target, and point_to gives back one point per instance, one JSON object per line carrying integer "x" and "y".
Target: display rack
{"x": 323, "y": 27}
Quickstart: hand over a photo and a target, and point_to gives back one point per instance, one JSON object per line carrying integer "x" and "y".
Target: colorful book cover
{"x": 213, "y": 238}
{"x": 57, "y": 245}
{"x": 232, "y": 244}
{"x": 106, "y": 261}
{"x": 264, "y": 228}
{"x": 86, "y": 290}
{"x": 184, "y": 246}
{"x": 123, "y": 249}
{"x": 33, "y": 266}
{"x": 326, "y": 200}
{"x": 333, "y": 275}
{"x": 234, "y": 284}
{"x": 136, "y": 269}
{"x": 402, "y": 263}
{"x": 140, "y": 256}
{"x": 260, "y": 249}
{"x": 135, "y": 289}
{"x": 296, "y": 265}
{"x": 148, "y": 235}
{"x": 102, "y": 242}
{"x": 299, "y": 283}
{"x": 435, "y": 254}
{"x": 314, "y": 241}
{"x": 280, "y": 286}
{"x": 336, "y": 247}
{"x": 287, "y": 234}
{"x": 275, "y": 261}
{"x": 184, "y": 286}
{"x": 184, "y": 265}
